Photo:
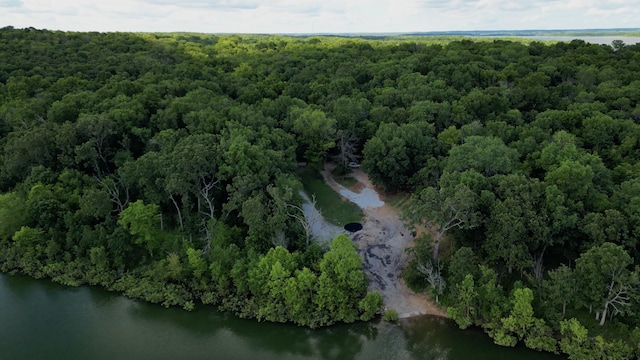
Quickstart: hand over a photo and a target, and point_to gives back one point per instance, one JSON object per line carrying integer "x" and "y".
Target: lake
{"x": 43, "y": 320}
{"x": 605, "y": 40}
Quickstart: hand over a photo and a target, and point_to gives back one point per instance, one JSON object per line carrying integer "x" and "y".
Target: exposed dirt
{"x": 382, "y": 243}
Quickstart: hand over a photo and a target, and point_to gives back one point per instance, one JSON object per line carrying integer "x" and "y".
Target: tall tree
{"x": 13, "y": 214}
{"x": 605, "y": 281}
{"x": 316, "y": 134}
{"x": 520, "y": 319}
{"x": 443, "y": 209}
{"x": 518, "y": 230}
{"x": 486, "y": 155}
{"x": 464, "y": 310}
{"x": 560, "y": 288}
{"x": 340, "y": 282}
{"x": 143, "y": 222}
{"x": 395, "y": 156}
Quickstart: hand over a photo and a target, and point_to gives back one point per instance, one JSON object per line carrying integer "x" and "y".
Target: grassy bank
{"x": 345, "y": 180}
{"x": 334, "y": 209}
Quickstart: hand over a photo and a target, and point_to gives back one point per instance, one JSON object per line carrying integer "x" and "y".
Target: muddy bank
{"x": 322, "y": 231}
{"x": 382, "y": 243}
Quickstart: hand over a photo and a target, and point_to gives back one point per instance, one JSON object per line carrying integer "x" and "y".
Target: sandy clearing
{"x": 382, "y": 243}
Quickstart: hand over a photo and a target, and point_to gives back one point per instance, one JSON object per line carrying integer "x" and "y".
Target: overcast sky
{"x": 317, "y": 16}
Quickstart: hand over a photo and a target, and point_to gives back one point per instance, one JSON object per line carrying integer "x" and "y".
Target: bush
{"x": 370, "y": 305}
{"x": 390, "y": 315}
{"x": 415, "y": 280}
{"x": 189, "y": 305}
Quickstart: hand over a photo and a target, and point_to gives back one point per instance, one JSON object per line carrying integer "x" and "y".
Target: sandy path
{"x": 382, "y": 243}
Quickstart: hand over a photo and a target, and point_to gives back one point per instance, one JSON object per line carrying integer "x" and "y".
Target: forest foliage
{"x": 163, "y": 166}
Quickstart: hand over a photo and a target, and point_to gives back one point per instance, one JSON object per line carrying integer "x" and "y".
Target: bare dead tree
{"x": 98, "y": 129}
{"x": 538, "y": 270}
{"x": 433, "y": 274}
{"x": 205, "y": 230}
{"x": 99, "y": 143}
{"x": 205, "y": 193}
{"x": 117, "y": 189}
{"x": 305, "y": 221}
{"x": 175, "y": 203}
{"x": 618, "y": 297}
{"x": 280, "y": 239}
{"x": 538, "y": 266}
{"x": 346, "y": 143}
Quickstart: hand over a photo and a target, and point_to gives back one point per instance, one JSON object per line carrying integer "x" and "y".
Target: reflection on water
{"x": 41, "y": 320}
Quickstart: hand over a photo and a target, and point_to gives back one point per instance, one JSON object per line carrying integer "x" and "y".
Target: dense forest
{"x": 165, "y": 166}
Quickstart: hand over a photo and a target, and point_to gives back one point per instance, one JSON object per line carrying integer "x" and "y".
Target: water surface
{"x": 603, "y": 40}
{"x": 42, "y": 320}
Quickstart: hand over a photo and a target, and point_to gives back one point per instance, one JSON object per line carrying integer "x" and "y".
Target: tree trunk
{"x": 538, "y": 272}
{"x": 175, "y": 203}
{"x": 436, "y": 246}
{"x": 604, "y": 315}
{"x": 564, "y": 309}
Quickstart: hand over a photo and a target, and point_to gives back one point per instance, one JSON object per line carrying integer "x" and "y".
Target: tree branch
{"x": 112, "y": 185}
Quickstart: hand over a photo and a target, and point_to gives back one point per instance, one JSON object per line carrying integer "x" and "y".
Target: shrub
{"x": 390, "y": 315}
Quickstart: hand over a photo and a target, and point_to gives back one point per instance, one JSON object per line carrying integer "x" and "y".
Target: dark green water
{"x": 42, "y": 320}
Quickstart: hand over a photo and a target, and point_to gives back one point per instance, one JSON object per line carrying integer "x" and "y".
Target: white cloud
{"x": 291, "y": 16}
{"x": 611, "y": 12}
{"x": 10, "y": 3}
{"x": 228, "y": 5}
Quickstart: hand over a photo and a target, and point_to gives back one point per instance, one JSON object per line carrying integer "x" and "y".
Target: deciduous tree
{"x": 606, "y": 282}
{"x": 444, "y": 209}
{"x": 143, "y": 222}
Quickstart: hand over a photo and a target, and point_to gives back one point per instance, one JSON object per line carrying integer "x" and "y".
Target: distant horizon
{"x": 549, "y": 32}
{"x": 605, "y": 31}
{"x": 318, "y": 17}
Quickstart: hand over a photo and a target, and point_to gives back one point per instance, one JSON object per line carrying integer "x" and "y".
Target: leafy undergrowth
{"x": 611, "y": 330}
{"x": 414, "y": 279}
{"x": 398, "y": 201}
{"x": 344, "y": 176}
{"x": 334, "y": 209}
{"x": 345, "y": 180}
